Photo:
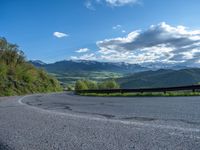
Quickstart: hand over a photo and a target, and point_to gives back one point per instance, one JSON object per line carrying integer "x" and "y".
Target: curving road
{"x": 64, "y": 121}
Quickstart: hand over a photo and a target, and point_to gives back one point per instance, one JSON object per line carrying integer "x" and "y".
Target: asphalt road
{"x": 67, "y": 122}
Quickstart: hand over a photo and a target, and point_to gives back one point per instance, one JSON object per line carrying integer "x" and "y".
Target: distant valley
{"x": 127, "y": 75}
{"x": 68, "y": 71}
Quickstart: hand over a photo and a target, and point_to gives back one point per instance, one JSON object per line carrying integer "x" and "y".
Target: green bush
{"x": 92, "y": 85}
{"x": 70, "y": 88}
{"x": 109, "y": 84}
{"x": 80, "y": 85}
{"x": 86, "y": 85}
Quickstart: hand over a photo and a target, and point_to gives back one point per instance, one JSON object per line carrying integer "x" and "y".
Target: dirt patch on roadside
{"x": 8, "y": 98}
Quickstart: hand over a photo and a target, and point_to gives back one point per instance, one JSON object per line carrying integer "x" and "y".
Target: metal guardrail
{"x": 192, "y": 88}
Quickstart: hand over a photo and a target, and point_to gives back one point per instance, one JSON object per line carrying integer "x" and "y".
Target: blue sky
{"x": 52, "y": 30}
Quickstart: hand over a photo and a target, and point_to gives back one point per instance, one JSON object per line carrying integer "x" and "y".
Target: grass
{"x": 158, "y": 94}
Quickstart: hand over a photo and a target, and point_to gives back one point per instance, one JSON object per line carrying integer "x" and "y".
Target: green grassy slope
{"x": 161, "y": 78}
{"x": 17, "y": 76}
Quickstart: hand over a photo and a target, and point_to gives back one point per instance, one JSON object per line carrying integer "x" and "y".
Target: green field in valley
{"x": 71, "y": 78}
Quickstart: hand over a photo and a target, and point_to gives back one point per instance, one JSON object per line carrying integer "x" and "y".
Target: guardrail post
{"x": 121, "y": 92}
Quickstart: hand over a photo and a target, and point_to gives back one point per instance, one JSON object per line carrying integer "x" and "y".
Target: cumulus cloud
{"x": 83, "y": 50}
{"x": 60, "y": 34}
{"x": 160, "y": 43}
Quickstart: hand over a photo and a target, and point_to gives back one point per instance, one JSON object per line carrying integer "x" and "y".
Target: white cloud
{"x": 60, "y": 34}
{"x": 123, "y": 31}
{"x": 116, "y": 3}
{"x": 89, "y": 56}
{"x": 116, "y": 27}
{"x": 82, "y": 50}
{"x": 89, "y": 5}
{"x": 158, "y": 44}
{"x": 119, "y": 28}
{"x": 113, "y": 3}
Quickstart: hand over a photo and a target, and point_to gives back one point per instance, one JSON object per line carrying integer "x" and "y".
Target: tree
{"x": 92, "y": 85}
{"x": 70, "y": 88}
{"x": 109, "y": 84}
{"x": 80, "y": 85}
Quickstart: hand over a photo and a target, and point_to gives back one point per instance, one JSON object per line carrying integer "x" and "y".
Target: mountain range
{"x": 85, "y": 65}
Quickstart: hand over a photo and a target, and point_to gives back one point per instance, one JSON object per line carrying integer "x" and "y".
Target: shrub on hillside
{"x": 20, "y": 77}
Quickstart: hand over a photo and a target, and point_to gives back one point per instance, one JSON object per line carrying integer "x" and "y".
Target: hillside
{"x": 161, "y": 78}
{"x": 17, "y": 76}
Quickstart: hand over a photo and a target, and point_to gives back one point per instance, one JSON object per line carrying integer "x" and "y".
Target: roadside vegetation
{"x": 158, "y": 94}
{"x": 93, "y": 85}
{"x": 112, "y": 84}
{"x": 18, "y": 77}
